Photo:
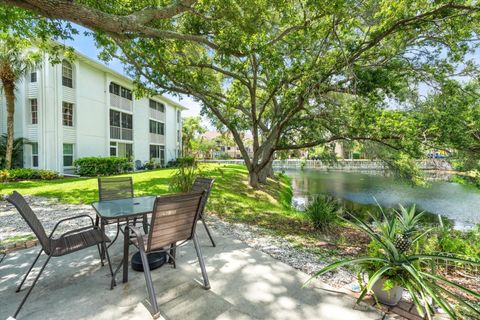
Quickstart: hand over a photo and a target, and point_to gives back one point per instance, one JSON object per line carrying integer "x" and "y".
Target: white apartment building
{"x": 82, "y": 108}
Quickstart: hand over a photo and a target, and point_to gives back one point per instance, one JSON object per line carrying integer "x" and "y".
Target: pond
{"x": 457, "y": 202}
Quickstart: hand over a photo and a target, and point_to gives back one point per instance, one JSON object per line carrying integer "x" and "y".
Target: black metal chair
{"x": 67, "y": 243}
{"x": 204, "y": 184}
{"x": 113, "y": 188}
{"x": 174, "y": 219}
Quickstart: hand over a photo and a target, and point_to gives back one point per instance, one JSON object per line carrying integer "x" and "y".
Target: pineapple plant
{"x": 408, "y": 221}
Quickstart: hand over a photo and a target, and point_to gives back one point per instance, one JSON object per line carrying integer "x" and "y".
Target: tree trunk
{"x": 266, "y": 172}
{"x": 259, "y": 172}
{"x": 253, "y": 179}
{"x": 9, "y": 89}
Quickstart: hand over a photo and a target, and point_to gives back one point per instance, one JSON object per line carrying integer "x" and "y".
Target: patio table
{"x": 127, "y": 209}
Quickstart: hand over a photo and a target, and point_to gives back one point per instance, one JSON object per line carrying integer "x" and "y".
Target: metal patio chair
{"x": 173, "y": 223}
{"x": 69, "y": 242}
{"x": 113, "y": 188}
{"x": 204, "y": 184}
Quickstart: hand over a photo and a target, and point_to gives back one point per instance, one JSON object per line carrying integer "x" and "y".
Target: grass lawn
{"x": 231, "y": 199}
{"x": 231, "y": 196}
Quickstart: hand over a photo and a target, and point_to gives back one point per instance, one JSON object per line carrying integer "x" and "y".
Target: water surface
{"x": 457, "y": 202}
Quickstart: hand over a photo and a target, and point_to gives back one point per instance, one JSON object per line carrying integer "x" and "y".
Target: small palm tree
{"x": 17, "y": 57}
{"x": 17, "y": 152}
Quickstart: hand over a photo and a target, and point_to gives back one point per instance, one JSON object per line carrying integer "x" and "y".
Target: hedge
{"x": 181, "y": 161}
{"x": 27, "y": 174}
{"x": 98, "y": 166}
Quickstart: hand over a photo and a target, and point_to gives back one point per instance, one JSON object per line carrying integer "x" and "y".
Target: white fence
{"x": 431, "y": 164}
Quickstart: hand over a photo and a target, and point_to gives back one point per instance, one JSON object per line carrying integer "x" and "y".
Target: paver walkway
{"x": 246, "y": 284}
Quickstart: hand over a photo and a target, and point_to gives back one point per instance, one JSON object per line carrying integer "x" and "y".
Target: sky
{"x": 86, "y": 45}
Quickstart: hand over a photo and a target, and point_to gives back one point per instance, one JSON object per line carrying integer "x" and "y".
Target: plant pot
{"x": 389, "y": 297}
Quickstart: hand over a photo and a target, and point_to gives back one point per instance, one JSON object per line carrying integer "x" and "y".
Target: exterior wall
{"x": 90, "y": 134}
{"x": 91, "y": 115}
{"x": 141, "y": 122}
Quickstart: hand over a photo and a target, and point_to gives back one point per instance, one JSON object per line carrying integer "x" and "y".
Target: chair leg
{"x": 31, "y": 288}
{"x": 116, "y": 235}
{"x": 201, "y": 262}
{"x": 113, "y": 283}
{"x": 100, "y": 254}
{"x": 28, "y": 272}
{"x": 148, "y": 280}
{"x": 172, "y": 254}
{"x": 208, "y": 231}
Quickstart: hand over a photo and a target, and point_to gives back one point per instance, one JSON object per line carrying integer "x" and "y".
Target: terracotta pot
{"x": 390, "y": 297}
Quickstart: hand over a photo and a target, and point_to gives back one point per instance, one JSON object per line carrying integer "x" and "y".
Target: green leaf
{"x": 341, "y": 263}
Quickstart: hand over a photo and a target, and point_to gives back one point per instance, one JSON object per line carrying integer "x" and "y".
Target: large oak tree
{"x": 294, "y": 73}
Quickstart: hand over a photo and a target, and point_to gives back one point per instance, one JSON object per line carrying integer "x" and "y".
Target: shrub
{"x": 27, "y": 174}
{"x": 323, "y": 212}
{"x": 152, "y": 164}
{"x": 181, "y": 161}
{"x": 224, "y": 156}
{"x": 98, "y": 166}
{"x": 183, "y": 178}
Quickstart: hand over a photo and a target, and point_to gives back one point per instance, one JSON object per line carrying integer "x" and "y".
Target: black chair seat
{"x": 77, "y": 241}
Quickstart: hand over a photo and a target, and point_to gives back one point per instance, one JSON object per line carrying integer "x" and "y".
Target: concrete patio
{"x": 246, "y": 284}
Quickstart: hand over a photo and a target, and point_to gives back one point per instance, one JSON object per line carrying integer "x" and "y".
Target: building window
{"x": 67, "y": 155}
{"x": 67, "y": 74}
{"x": 178, "y": 116}
{"x": 120, "y": 91}
{"x": 120, "y": 119}
{"x": 113, "y": 149}
{"x": 121, "y": 125}
{"x": 33, "y": 76}
{"x": 115, "y": 118}
{"x": 178, "y": 136}
{"x": 35, "y": 155}
{"x": 114, "y": 88}
{"x": 157, "y": 152}
{"x": 67, "y": 114}
{"x": 157, "y": 105}
{"x": 127, "y": 122}
{"x": 34, "y": 111}
{"x": 128, "y": 150}
{"x": 157, "y": 127}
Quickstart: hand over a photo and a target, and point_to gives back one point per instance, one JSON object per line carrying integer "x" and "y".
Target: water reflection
{"x": 452, "y": 200}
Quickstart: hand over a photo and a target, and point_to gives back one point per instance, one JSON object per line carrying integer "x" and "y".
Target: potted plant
{"x": 393, "y": 265}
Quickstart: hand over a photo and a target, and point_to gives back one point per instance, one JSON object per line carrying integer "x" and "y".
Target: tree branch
{"x": 124, "y": 26}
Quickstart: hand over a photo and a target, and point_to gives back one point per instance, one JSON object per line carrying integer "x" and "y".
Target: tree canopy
{"x": 450, "y": 120}
{"x": 293, "y": 73}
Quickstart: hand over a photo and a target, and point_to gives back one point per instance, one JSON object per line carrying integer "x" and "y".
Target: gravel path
{"x": 49, "y": 211}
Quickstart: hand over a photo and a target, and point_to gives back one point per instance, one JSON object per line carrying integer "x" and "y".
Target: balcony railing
{"x": 121, "y": 103}
{"x": 155, "y": 114}
{"x": 121, "y": 133}
{"x": 157, "y": 138}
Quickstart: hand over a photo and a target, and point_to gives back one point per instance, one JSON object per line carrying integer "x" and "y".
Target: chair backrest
{"x": 29, "y": 216}
{"x": 174, "y": 219}
{"x": 112, "y": 188}
{"x": 138, "y": 164}
{"x": 203, "y": 184}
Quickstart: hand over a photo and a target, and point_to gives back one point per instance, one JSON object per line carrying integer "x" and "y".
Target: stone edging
{"x": 19, "y": 245}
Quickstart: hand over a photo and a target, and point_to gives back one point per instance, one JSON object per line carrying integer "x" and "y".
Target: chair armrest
{"x": 138, "y": 234}
{"x": 70, "y": 218}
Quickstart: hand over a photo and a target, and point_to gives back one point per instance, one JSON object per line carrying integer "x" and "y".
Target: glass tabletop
{"x": 121, "y": 208}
